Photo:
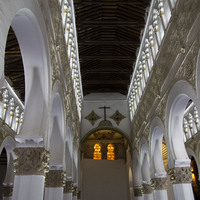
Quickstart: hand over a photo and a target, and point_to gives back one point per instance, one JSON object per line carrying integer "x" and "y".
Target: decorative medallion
{"x": 117, "y": 117}
{"x": 92, "y": 117}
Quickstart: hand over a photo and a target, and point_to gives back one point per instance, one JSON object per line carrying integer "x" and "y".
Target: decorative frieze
{"x": 69, "y": 188}
{"x": 7, "y": 190}
{"x": 55, "y": 178}
{"x": 147, "y": 188}
{"x": 159, "y": 183}
{"x": 180, "y": 175}
{"x": 31, "y": 161}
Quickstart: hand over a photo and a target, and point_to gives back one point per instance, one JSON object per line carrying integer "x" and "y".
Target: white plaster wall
{"x": 113, "y": 100}
{"x": 104, "y": 180}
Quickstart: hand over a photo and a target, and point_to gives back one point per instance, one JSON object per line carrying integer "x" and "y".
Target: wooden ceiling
{"x": 108, "y": 38}
{"x": 14, "y": 70}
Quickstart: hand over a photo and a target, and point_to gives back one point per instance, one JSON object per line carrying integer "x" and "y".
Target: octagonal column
{"x": 55, "y": 180}
{"x": 181, "y": 178}
{"x": 160, "y": 188}
{"x": 30, "y": 168}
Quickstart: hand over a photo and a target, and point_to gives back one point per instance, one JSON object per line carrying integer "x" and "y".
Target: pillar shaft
{"x": 30, "y": 168}
{"x": 55, "y": 180}
{"x": 68, "y": 191}
{"x": 147, "y": 190}
{"x": 181, "y": 179}
{"x": 7, "y": 192}
{"x": 160, "y": 188}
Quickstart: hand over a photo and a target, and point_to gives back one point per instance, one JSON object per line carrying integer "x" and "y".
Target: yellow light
{"x": 97, "y": 152}
{"x": 110, "y": 153}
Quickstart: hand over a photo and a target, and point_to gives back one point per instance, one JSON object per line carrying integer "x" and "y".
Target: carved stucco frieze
{"x": 161, "y": 108}
{"x": 69, "y": 188}
{"x": 31, "y": 161}
{"x": 187, "y": 70}
{"x": 147, "y": 188}
{"x": 7, "y": 190}
{"x": 5, "y": 131}
{"x": 180, "y": 175}
{"x": 55, "y": 178}
{"x": 146, "y": 132}
{"x": 159, "y": 183}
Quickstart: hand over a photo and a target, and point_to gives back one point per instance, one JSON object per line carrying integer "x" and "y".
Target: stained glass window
{"x": 110, "y": 152}
{"x": 97, "y": 152}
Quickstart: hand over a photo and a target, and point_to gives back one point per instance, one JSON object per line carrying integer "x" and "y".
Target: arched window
{"x": 97, "y": 152}
{"x": 110, "y": 152}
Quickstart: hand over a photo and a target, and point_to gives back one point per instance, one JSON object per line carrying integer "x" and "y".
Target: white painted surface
{"x": 67, "y": 196}
{"x": 115, "y": 101}
{"x": 104, "y": 179}
{"x": 183, "y": 192}
{"x": 53, "y": 193}
{"x": 160, "y": 194}
{"x": 28, "y": 187}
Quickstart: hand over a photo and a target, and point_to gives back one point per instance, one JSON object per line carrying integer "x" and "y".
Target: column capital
{"x": 31, "y": 161}
{"x": 69, "y": 188}
{"x": 147, "y": 188}
{"x": 159, "y": 183}
{"x": 55, "y": 178}
{"x": 75, "y": 191}
{"x": 7, "y": 190}
{"x": 138, "y": 191}
{"x": 180, "y": 175}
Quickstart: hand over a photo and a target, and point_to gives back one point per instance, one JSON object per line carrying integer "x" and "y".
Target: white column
{"x": 28, "y": 187}
{"x": 53, "y": 193}
{"x": 138, "y": 198}
{"x": 183, "y": 192}
{"x": 67, "y": 196}
{"x": 7, "y": 192}
{"x": 160, "y": 194}
{"x": 30, "y": 169}
{"x": 54, "y": 185}
{"x": 138, "y": 193}
{"x": 181, "y": 179}
{"x": 7, "y": 198}
{"x": 160, "y": 188}
{"x": 147, "y": 192}
{"x": 68, "y": 190}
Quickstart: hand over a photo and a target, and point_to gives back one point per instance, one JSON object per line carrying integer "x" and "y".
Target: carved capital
{"x": 55, "y": 178}
{"x": 180, "y": 175}
{"x": 147, "y": 188}
{"x": 138, "y": 192}
{"x": 31, "y": 161}
{"x": 7, "y": 190}
{"x": 68, "y": 187}
{"x": 159, "y": 183}
{"x": 75, "y": 191}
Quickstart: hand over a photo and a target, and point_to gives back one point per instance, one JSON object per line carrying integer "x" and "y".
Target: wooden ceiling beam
{"x": 109, "y": 2}
{"x": 104, "y": 58}
{"x": 109, "y": 23}
{"x": 107, "y": 42}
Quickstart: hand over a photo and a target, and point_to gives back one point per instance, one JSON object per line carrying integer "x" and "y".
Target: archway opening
{"x": 3, "y": 169}
{"x": 14, "y": 70}
{"x": 105, "y": 166}
{"x": 195, "y": 179}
